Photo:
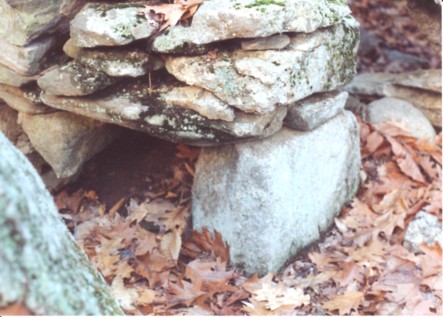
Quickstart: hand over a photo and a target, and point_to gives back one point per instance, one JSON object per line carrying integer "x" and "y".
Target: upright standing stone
{"x": 272, "y": 197}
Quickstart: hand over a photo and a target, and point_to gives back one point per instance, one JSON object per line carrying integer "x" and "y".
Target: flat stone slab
{"x": 74, "y": 79}
{"x": 172, "y": 112}
{"x": 258, "y": 81}
{"x": 25, "y": 60}
{"x": 218, "y": 20}
{"x": 309, "y": 113}
{"x": 12, "y": 78}
{"x": 422, "y": 88}
{"x": 270, "y": 198}
{"x": 115, "y": 24}
{"x": 25, "y": 100}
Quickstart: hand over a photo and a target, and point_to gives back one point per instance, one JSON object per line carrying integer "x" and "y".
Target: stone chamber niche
{"x": 257, "y": 85}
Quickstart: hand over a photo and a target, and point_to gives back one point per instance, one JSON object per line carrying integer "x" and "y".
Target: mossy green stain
{"x": 265, "y": 2}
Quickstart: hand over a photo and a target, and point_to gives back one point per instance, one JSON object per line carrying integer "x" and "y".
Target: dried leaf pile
{"x": 361, "y": 266}
{"x": 390, "y": 21}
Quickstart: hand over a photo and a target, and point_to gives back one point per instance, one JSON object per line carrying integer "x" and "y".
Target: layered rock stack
{"x": 254, "y": 82}
{"x": 31, "y": 37}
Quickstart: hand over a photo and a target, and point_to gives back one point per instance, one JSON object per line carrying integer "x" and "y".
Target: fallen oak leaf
{"x": 405, "y": 160}
{"x": 182, "y": 293}
{"x": 209, "y": 276}
{"x": 277, "y": 295}
{"x": 171, "y": 13}
{"x": 344, "y": 303}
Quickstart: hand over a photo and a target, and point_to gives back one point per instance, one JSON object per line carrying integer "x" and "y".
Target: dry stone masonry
{"x": 257, "y": 83}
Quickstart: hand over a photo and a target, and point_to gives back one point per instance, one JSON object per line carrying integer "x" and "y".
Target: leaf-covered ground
{"x": 391, "y": 40}
{"x": 155, "y": 265}
{"x": 361, "y": 266}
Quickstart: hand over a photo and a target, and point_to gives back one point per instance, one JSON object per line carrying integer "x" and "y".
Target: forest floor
{"x": 132, "y": 202}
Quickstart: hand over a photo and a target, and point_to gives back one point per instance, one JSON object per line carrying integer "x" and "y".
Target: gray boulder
{"x": 218, "y": 20}
{"x": 257, "y": 81}
{"x": 66, "y": 140}
{"x": 272, "y": 197}
{"x": 309, "y": 113}
{"x": 402, "y": 114}
{"x": 101, "y": 24}
{"x": 425, "y": 228}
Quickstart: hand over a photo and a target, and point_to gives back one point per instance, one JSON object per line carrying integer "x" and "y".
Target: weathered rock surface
{"x": 425, "y": 228}
{"x": 11, "y": 78}
{"x": 99, "y": 24}
{"x": 25, "y": 60}
{"x": 402, "y": 114}
{"x": 259, "y": 195}
{"x": 376, "y": 83}
{"x": 66, "y": 140}
{"x": 218, "y": 20}
{"x": 357, "y": 107}
{"x": 166, "y": 111}
{"x": 274, "y": 42}
{"x": 39, "y": 258}
{"x": 23, "y": 21}
{"x": 25, "y": 100}
{"x": 257, "y": 81}
{"x": 307, "y": 114}
{"x": 421, "y": 88}
{"x": 428, "y": 102}
{"x": 10, "y": 127}
{"x": 74, "y": 79}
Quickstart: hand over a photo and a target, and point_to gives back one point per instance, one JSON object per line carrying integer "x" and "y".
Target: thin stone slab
{"x": 274, "y": 42}
{"x": 258, "y": 81}
{"x": 115, "y": 24}
{"x": 270, "y": 198}
{"x": 422, "y": 88}
{"x": 218, "y": 20}
{"x": 311, "y": 112}
{"x": 26, "y": 100}
{"x": 12, "y": 78}
{"x": 376, "y": 83}
{"x": 166, "y": 112}
{"x": 25, "y": 60}
{"x": 74, "y": 79}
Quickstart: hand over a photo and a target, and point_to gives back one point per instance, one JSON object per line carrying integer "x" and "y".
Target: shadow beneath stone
{"x": 129, "y": 166}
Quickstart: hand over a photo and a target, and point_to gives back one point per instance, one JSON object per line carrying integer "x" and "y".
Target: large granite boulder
{"x": 270, "y": 198}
